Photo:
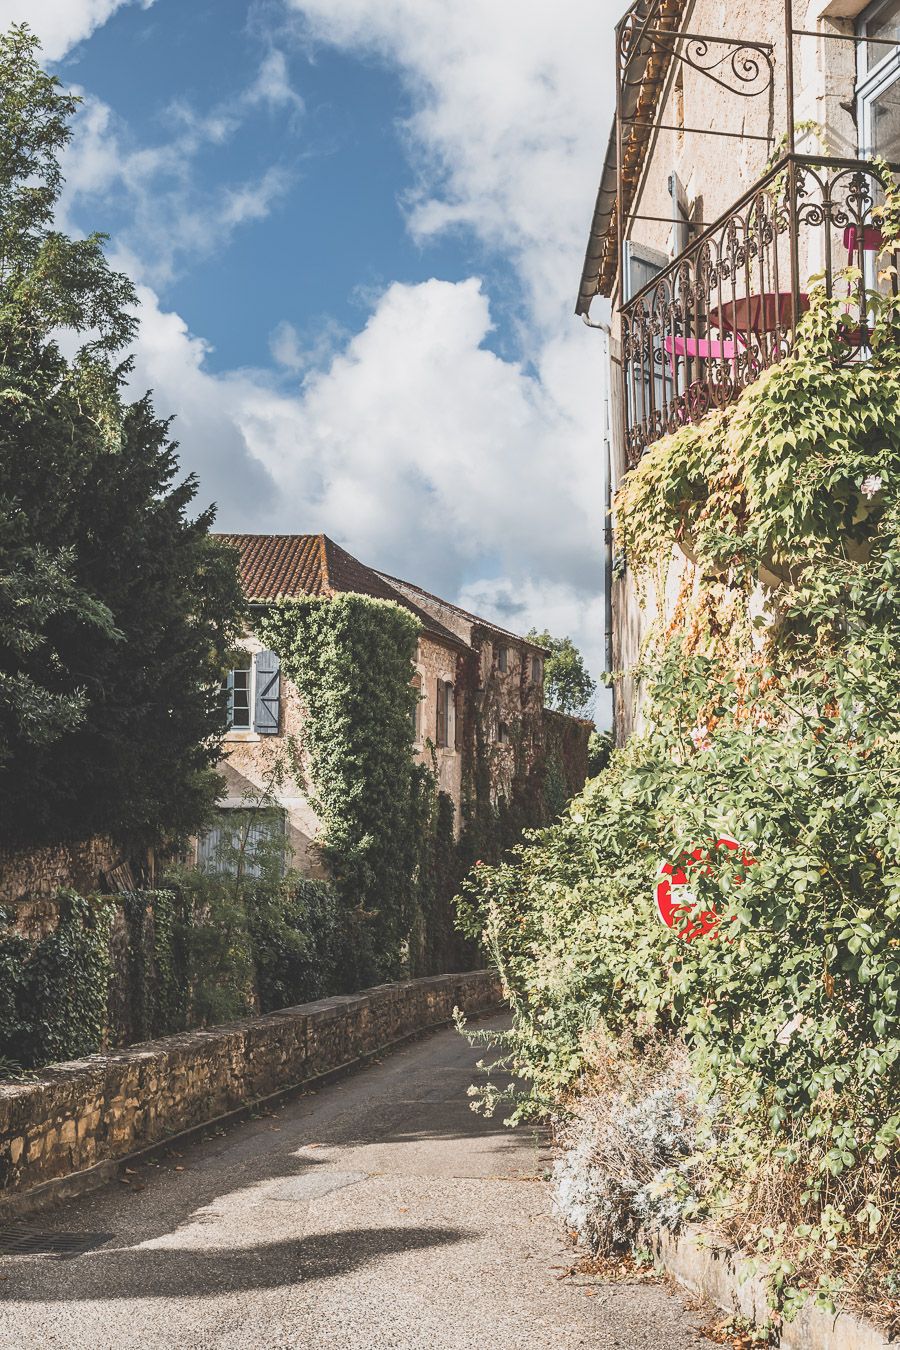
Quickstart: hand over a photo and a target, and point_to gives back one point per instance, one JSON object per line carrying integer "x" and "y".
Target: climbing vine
{"x": 773, "y": 689}
{"x": 351, "y": 659}
{"x": 54, "y": 1000}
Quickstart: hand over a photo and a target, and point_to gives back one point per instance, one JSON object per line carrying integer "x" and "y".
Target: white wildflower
{"x": 700, "y": 737}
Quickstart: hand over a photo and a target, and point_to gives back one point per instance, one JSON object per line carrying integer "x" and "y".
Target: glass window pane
{"x": 884, "y": 123}
{"x": 884, "y": 24}
{"x": 239, "y": 710}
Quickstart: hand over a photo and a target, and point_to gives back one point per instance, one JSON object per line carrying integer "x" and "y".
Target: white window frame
{"x": 446, "y": 690}
{"x": 418, "y": 684}
{"x": 871, "y": 83}
{"x": 251, "y": 697}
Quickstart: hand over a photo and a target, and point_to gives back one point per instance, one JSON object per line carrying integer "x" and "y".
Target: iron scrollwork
{"x": 725, "y": 310}
{"x": 745, "y": 68}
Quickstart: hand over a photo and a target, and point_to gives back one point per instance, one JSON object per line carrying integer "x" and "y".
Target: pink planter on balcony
{"x": 869, "y": 236}
{"x": 706, "y": 349}
{"x": 758, "y": 313}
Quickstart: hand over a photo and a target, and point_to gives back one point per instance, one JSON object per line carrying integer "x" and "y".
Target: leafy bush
{"x": 156, "y": 984}
{"x": 296, "y": 940}
{"x": 117, "y": 608}
{"x": 54, "y": 991}
{"x": 772, "y": 717}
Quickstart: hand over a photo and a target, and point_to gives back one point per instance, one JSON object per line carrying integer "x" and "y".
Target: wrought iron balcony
{"x": 726, "y": 308}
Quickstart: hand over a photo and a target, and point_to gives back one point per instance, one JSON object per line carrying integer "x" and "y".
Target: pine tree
{"x": 117, "y": 609}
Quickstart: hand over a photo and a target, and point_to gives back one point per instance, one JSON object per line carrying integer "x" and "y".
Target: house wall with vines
{"x": 707, "y": 174}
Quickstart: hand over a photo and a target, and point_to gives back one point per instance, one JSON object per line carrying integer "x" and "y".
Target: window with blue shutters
{"x": 266, "y": 703}
{"x": 247, "y": 841}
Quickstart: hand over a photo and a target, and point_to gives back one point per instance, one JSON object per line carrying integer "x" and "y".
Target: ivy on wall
{"x": 53, "y": 1004}
{"x": 351, "y": 659}
{"x": 773, "y": 692}
{"x": 154, "y": 980}
{"x": 388, "y": 836}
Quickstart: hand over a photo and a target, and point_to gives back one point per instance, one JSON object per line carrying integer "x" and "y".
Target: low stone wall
{"x": 734, "y": 1283}
{"x": 35, "y": 877}
{"x": 73, "y": 1116}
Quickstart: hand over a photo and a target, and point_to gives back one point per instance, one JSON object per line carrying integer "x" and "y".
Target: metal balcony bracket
{"x": 744, "y": 68}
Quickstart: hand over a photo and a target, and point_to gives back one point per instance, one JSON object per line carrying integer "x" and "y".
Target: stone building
{"x": 481, "y": 694}
{"x": 738, "y": 169}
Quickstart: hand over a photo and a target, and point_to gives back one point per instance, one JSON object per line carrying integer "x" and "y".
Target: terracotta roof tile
{"x": 273, "y": 566}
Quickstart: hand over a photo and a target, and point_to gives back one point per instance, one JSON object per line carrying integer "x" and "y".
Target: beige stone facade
{"x": 481, "y": 694}
{"x": 686, "y": 179}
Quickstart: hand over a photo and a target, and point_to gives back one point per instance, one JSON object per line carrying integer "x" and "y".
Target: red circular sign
{"x": 676, "y": 904}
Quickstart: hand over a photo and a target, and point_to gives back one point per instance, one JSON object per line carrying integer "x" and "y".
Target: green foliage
{"x": 351, "y": 659}
{"x": 156, "y": 976}
{"x": 777, "y": 725}
{"x": 116, "y": 609}
{"x": 568, "y": 684}
{"x": 53, "y": 1005}
{"x": 600, "y": 747}
{"x": 202, "y": 952}
{"x": 216, "y": 951}
{"x": 436, "y": 943}
{"x": 299, "y": 950}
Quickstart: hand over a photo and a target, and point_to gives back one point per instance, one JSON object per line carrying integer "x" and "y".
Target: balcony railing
{"x": 725, "y": 309}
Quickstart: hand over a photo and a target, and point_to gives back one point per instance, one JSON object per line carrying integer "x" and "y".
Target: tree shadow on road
{"x": 190, "y": 1272}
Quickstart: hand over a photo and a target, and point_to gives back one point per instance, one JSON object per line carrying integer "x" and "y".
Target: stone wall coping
{"x": 67, "y": 1129}
{"x": 67, "y": 1070}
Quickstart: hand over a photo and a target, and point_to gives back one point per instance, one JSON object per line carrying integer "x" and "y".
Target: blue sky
{"x": 357, "y": 229}
{"x": 336, "y": 235}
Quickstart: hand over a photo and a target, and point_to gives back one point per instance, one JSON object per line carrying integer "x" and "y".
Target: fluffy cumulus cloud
{"x": 411, "y": 442}
{"x": 415, "y": 445}
{"x": 60, "y": 24}
{"x": 507, "y": 128}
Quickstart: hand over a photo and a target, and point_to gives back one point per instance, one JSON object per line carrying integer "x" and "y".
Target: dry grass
{"x": 628, "y": 1148}
{"x": 860, "y": 1256}
{"x": 630, "y": 1156}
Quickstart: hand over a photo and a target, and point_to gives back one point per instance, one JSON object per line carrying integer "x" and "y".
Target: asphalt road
{"x": 378, "y": 1214}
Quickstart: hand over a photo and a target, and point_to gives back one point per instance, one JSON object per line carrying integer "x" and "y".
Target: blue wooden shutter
{"x": 268, "y": 693}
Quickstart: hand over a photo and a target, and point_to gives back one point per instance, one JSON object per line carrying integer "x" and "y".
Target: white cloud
{"x": 509, "y": 102}
{"x": 415, "y": 446}
{"x": 411, "y": 442}
{"x": 60, "y": 24}
{"x": 272, "y": 85}
{"x": 175, "y": 216}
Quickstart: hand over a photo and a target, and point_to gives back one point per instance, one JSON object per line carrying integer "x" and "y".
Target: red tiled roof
{"x": 409, "y": 590}
{"x": 274, "y": 566}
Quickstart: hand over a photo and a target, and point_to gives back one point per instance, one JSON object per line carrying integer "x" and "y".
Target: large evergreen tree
{"x": 117, "y": 609}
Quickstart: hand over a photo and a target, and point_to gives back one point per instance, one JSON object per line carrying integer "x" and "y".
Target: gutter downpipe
{"x": 607, "y": 521}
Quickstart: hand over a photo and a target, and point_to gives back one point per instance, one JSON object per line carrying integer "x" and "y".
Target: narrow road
{"x": 377, "y": 1214}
